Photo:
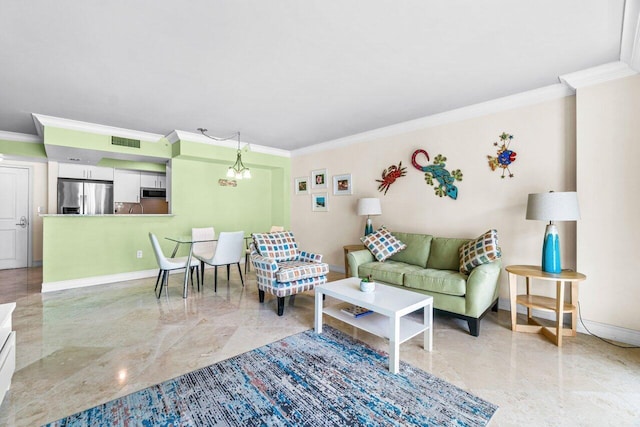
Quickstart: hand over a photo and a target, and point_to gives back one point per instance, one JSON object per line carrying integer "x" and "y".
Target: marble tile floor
{"x": 82, "y": 347}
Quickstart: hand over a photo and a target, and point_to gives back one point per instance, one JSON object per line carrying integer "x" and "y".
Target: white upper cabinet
{"x": 73, "y": 170}
{"x": 126, "y": 186}
{"x": 153, "y": 180}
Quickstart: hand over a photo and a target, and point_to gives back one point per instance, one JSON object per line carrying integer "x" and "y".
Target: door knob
{"x": 23, "y": 222}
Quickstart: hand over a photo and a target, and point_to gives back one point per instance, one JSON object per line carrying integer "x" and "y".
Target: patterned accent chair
{"x": 281, "y": 269}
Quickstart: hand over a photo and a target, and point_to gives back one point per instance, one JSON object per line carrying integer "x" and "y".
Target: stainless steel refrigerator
{"x": 76, "y": 196}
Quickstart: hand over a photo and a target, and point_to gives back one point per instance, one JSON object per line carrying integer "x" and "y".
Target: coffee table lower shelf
{"x": 377, "y": 324}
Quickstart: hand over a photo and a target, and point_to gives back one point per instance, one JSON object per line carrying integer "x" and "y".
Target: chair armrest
{"x": 266, "y": 264}
{"x": 309, "y": 257}
{"x": 482, "y": 288}
{"x": 357, "y": 258}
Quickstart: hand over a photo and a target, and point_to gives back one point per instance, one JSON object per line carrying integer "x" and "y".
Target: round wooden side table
{"x": 539, "y": 302}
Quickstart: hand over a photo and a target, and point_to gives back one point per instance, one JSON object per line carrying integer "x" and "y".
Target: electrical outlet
{"x": 139, "y": 254}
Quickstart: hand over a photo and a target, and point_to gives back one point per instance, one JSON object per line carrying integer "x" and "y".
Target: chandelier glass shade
{"x": 238, "y": 170}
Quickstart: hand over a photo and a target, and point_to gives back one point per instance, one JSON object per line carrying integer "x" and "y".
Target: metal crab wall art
{"x": 504, "y": 156}
{"x": 437, "y": 172}
{"x": 389, "y": 176}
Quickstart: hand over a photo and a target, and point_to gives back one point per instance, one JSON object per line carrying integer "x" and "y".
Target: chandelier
{"x": 238, "y": 170}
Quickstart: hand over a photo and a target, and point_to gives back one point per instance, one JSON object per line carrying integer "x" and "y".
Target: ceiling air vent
{"x": 125, "y": 142}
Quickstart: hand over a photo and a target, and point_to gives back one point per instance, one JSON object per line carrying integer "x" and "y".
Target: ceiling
{"x": 286, "y": 73}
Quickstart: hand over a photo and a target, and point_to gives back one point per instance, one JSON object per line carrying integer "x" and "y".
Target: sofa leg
{"x": 495, "y": 307}
{"x": 474, "y": 327}
{"x": 261, "y": 295}
{"x": 280, "y": 306}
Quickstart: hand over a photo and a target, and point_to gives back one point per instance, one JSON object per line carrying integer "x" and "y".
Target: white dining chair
{"x": 167, "y": 264}
{"x": 228, "y": 251}
{"x": 204, "y": 249}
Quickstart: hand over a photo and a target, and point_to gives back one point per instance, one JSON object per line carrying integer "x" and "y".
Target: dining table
{"x": 188, "y": 240}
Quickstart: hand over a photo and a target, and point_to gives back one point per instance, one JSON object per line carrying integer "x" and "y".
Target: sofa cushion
{"x": 480, "y": 251}
{"x": 390, "y": 271}
{"x": 440, "y": 281}
{"x": 279, "y": 246}
{"x": 417, "y": 251}
{"x": 444, "y": 253}
{"x": 290, "y": 271}
{"x": 382, "y": 244}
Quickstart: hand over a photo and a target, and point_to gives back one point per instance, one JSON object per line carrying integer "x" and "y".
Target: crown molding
{"x": 595, "y": 75}
{"x": 181, "y": 135}
{"x": 472, "y": 111}
{"x": 20, "y": 137}
{"x": 41, "y": 121}
{"x": 630, "y": 41}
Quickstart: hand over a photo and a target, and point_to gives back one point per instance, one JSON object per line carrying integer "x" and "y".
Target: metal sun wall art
{"x": 444, "y": 179}
{"x": 504, "y": 156}
{"x": 389, "y": 176}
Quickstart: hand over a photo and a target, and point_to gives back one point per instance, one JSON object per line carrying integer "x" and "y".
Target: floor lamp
{"x": 552, "y": 206}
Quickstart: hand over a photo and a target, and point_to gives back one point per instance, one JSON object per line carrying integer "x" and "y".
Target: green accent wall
{"x": 23, "y": 149}
{"x": 92, "y": 141}
{"x": 81, "y": 247}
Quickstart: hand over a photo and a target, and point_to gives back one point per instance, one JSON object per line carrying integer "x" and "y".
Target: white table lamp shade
{"x": 553, "y": 206}
{"x": 369, "y": 206}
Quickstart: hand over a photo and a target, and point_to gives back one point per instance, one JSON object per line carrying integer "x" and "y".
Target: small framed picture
{"x": 342, "y": 185}
{"x": 302, "y": 185}
{"x": 320, "y": 202}
{"x": 319, "y": 179}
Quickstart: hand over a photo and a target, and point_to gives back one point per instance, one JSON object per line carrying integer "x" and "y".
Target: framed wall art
{"x": 302, "y": 185}
{"x": 320, "y": 202}
{"x": 342, "y": 185}
{"x": 319, "y": 179}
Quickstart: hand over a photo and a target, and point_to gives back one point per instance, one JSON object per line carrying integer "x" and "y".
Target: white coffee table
{"x": 389, "y": 304}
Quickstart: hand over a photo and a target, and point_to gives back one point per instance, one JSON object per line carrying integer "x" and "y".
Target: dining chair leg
{"x": 166, "y": 283}
{"x": 198, "y": 277}
{"x": 215, "y": 282}
{"x": 228, "y": 267}
{"x": 202, "y": 270}
{"x": 157, "y": 281}
{"x": 247, "y": 267}
{"x": 162, "y": 282}
{"x": 191, "y": 275}
{"x": 240, "y": 271}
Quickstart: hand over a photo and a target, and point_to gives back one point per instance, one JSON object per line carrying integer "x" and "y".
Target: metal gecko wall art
{"x": 389, "y": 176}
{"x": 444, "y": 179}
{"x": 504, "y": 156}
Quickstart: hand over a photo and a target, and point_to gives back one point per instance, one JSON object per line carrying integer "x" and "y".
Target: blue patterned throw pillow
{"x": 382, "y": 244}
{"x": 479, "y": 251}
{"x": 280, "y": 246}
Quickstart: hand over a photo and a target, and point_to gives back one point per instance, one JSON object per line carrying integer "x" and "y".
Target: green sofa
{"x": 430, "y": 265}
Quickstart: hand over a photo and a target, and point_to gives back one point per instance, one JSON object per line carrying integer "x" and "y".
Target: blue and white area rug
{"x": 303, "y": 380}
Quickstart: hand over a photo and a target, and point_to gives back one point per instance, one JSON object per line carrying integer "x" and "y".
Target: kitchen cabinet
{"x": 73, "y": 170}
{"x": 153, "y": 180}
{"x": 126, "y": 186}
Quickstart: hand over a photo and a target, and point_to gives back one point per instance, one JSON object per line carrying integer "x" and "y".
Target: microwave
{"x": 153, "y": 193}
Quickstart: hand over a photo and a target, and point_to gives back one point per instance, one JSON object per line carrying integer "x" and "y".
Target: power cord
{"x": 600, "y": 338}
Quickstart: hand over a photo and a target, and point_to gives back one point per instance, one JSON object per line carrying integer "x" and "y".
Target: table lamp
{"x": 552, "y": 206}
{"x": 369, "y": 206}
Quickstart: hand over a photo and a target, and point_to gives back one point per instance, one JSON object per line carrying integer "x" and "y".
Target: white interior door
{"x": 14, "y": 217}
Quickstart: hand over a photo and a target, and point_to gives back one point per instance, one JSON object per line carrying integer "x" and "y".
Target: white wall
{"x": 544, "y": 139}
{"x": 608, "y": 180}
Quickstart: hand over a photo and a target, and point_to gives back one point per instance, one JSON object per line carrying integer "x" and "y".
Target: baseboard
{"x": 101, "y": 280}
{"x": 336, "y": 268}
{"x": 36, "y": 263}
{"x": 610, "y": 332}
